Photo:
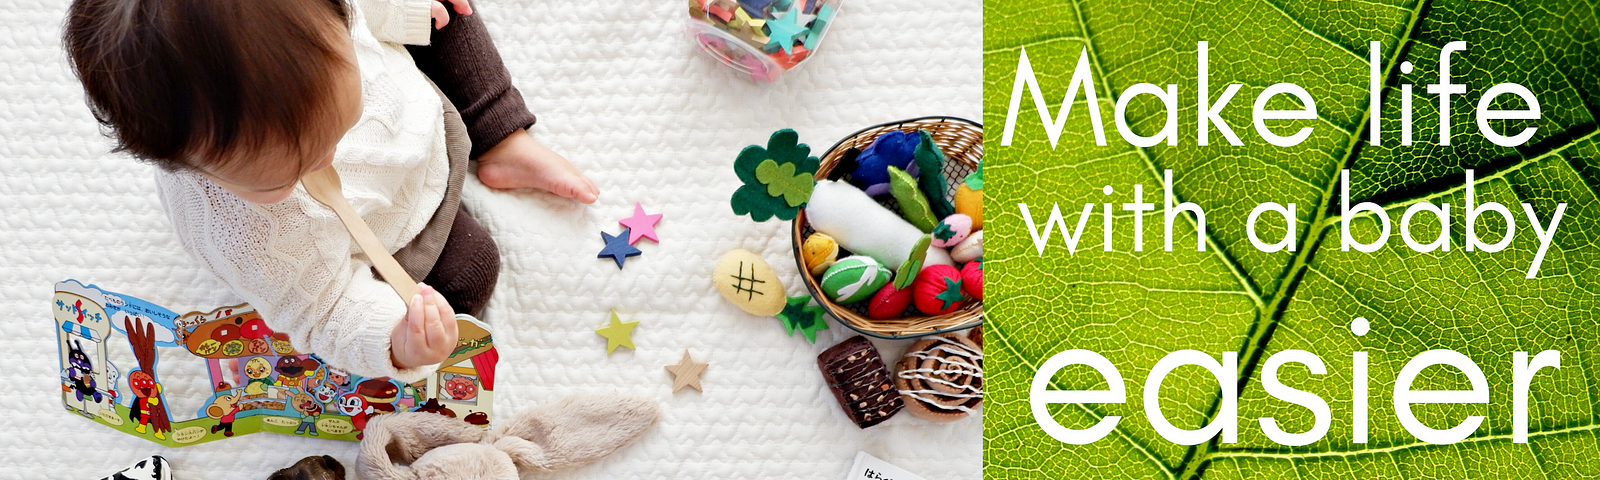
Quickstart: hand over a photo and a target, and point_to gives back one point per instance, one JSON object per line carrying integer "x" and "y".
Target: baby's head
{"x": 250, "y": 93}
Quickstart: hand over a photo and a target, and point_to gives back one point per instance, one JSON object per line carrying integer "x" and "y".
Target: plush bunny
{"x": 570, "y": 433}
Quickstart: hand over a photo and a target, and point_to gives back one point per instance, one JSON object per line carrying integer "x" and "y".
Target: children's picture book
{"x": 184, "y": 379}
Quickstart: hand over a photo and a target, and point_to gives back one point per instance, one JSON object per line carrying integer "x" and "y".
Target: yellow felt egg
{"x": 969, "y": 202}
{"x": 749, "y": 283}
{"x": 819, "y": 251}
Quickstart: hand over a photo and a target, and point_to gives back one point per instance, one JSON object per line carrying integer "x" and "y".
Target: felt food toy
{"x": 892, "y": 149}
{"x": 819, "y": 252}
{"x": 969, "y": 197}
{"x": 799, "y": 315}
{"x": 912, "y": 203}
{"x": 952, "y": 230}
{"x": 941, "y": 378}
{"x": 972, "y": 279}
{"x": 937, "y": 290}
{"x": 930, "y": 165}
{"x": 777, "y": 179}
{"x": 860, "y": 382}
{"x": 749, "y": 283}
{"x": 854, "y": 278}
{"x": 969, "y": 249}
{"x": 889, "y": 302}
{"x": 864, "y": 227}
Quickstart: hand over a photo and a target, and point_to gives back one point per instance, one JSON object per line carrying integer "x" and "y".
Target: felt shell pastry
{"x": 820, "y": 251}
{"x": 941, "y": 377}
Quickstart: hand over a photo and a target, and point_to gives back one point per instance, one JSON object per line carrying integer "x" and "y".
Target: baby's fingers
{"x": 415, "y": 318}
{"x": 462, "y": 7}
{"x": 435, "y": 338}
{"x": 440, "y": 17}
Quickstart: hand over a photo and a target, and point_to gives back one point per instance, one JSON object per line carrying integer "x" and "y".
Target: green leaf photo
{"x": 1134, "y": 307}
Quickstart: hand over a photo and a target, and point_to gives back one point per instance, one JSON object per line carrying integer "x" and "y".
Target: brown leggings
{"x": 468, "y": 267}
{"x": 463, "y": 62}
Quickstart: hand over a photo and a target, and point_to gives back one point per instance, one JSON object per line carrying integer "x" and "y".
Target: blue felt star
{"x": 617, "y": 247}
{"x": 783, "y": 30}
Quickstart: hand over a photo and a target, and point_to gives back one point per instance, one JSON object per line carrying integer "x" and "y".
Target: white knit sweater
{"x": 293, "y": 260}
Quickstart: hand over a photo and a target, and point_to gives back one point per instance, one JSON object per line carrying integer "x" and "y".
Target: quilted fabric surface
{"x": 622, "y": 93}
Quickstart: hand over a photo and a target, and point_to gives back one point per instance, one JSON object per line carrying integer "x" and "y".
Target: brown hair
{"x": 182, "y": 83}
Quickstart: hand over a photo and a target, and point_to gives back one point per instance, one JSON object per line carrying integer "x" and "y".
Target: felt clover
{"x": 777, "y": 179}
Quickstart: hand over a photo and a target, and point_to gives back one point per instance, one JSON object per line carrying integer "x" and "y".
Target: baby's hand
{"x": 428, "y": 333}
{"x": 442, "y": 18}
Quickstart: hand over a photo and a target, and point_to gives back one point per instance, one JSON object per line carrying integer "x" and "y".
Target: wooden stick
{"x": 324, "y": 186}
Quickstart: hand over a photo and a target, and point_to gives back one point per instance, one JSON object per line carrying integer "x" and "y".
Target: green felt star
{"x": 781, "y": 180}
{"x": 757, "y": 197}
{"x": 943, "y": 231}
{"x": 782, "y": 31}
{"x": 951, "y": 293}
{"x": 799, "y": 314}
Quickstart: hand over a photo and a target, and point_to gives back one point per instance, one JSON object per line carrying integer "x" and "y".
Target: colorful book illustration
{"x": 201, "y": 376}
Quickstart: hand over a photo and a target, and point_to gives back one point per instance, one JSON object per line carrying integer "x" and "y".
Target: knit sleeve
{"x": 398, "y": 21}
{"x": 293, "y": 262}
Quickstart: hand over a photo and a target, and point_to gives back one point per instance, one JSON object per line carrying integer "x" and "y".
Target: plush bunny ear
{"x": 403, "y": 437}
{"x": 573, "y": 432}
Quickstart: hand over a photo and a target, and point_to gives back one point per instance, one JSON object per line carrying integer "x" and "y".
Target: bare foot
{"x": 520, "y": 162}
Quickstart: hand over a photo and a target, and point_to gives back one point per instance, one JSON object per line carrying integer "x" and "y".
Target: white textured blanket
{"x": 620, "y": 91}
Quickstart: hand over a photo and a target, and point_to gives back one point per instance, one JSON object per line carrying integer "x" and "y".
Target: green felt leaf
{"x": 913, "y": 204}
{"x": 1135, "y": 307}
{"x": 762, "y": 201}
{"x": 974, "y": 180}
{"x": 951, "y": 293}
{"x": 782, "y": 181}
{"x": 930, "y": 174}
{"x": 800, "y": 315}
{"x": 913, "y": 264}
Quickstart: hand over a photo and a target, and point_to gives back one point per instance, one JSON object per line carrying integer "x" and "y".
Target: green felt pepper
{"x": 912, "y": 203}
{"x": 930, "y": 172}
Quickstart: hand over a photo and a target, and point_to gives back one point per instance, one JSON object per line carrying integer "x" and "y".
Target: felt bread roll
{"x": 864, "y": 227}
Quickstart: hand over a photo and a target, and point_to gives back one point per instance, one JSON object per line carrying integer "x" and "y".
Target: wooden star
{"x": 617, "y": 247}
{"x": 618, "y": 333}
{"x": 686, "y": 373}
{"x": 641, "y": 225}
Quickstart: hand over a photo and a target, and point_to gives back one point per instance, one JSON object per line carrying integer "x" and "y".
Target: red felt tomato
{"x": 972, "y": 279}
{"x": 937, "y": 290}
{"x": 888, "y": 302}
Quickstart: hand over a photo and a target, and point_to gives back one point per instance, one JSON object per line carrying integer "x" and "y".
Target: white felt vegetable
{"x": 863, "y": 227}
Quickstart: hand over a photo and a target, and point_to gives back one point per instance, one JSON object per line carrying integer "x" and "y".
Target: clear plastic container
{"x": 761, "y": 38}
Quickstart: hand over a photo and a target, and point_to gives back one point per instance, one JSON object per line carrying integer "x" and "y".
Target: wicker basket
{"x": 962, "y": 143}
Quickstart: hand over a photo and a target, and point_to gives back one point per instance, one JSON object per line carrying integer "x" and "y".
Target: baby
{"x": 235, "y": 100}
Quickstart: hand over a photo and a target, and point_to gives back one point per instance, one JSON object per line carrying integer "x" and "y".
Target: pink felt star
{"x": 641, "y": 225}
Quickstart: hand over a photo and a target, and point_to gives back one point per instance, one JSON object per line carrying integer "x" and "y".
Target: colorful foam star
{"x": 641, "y": 225}
{"x": 686, "y": 373}
{"x": 617, "y": 247}
{"x": 618, "y": 333}
{"x": 951, "y": 293}
{"x": 783, "y": 30}
{"x": 824, "y": 17}
{"x": 799, "y": 314}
